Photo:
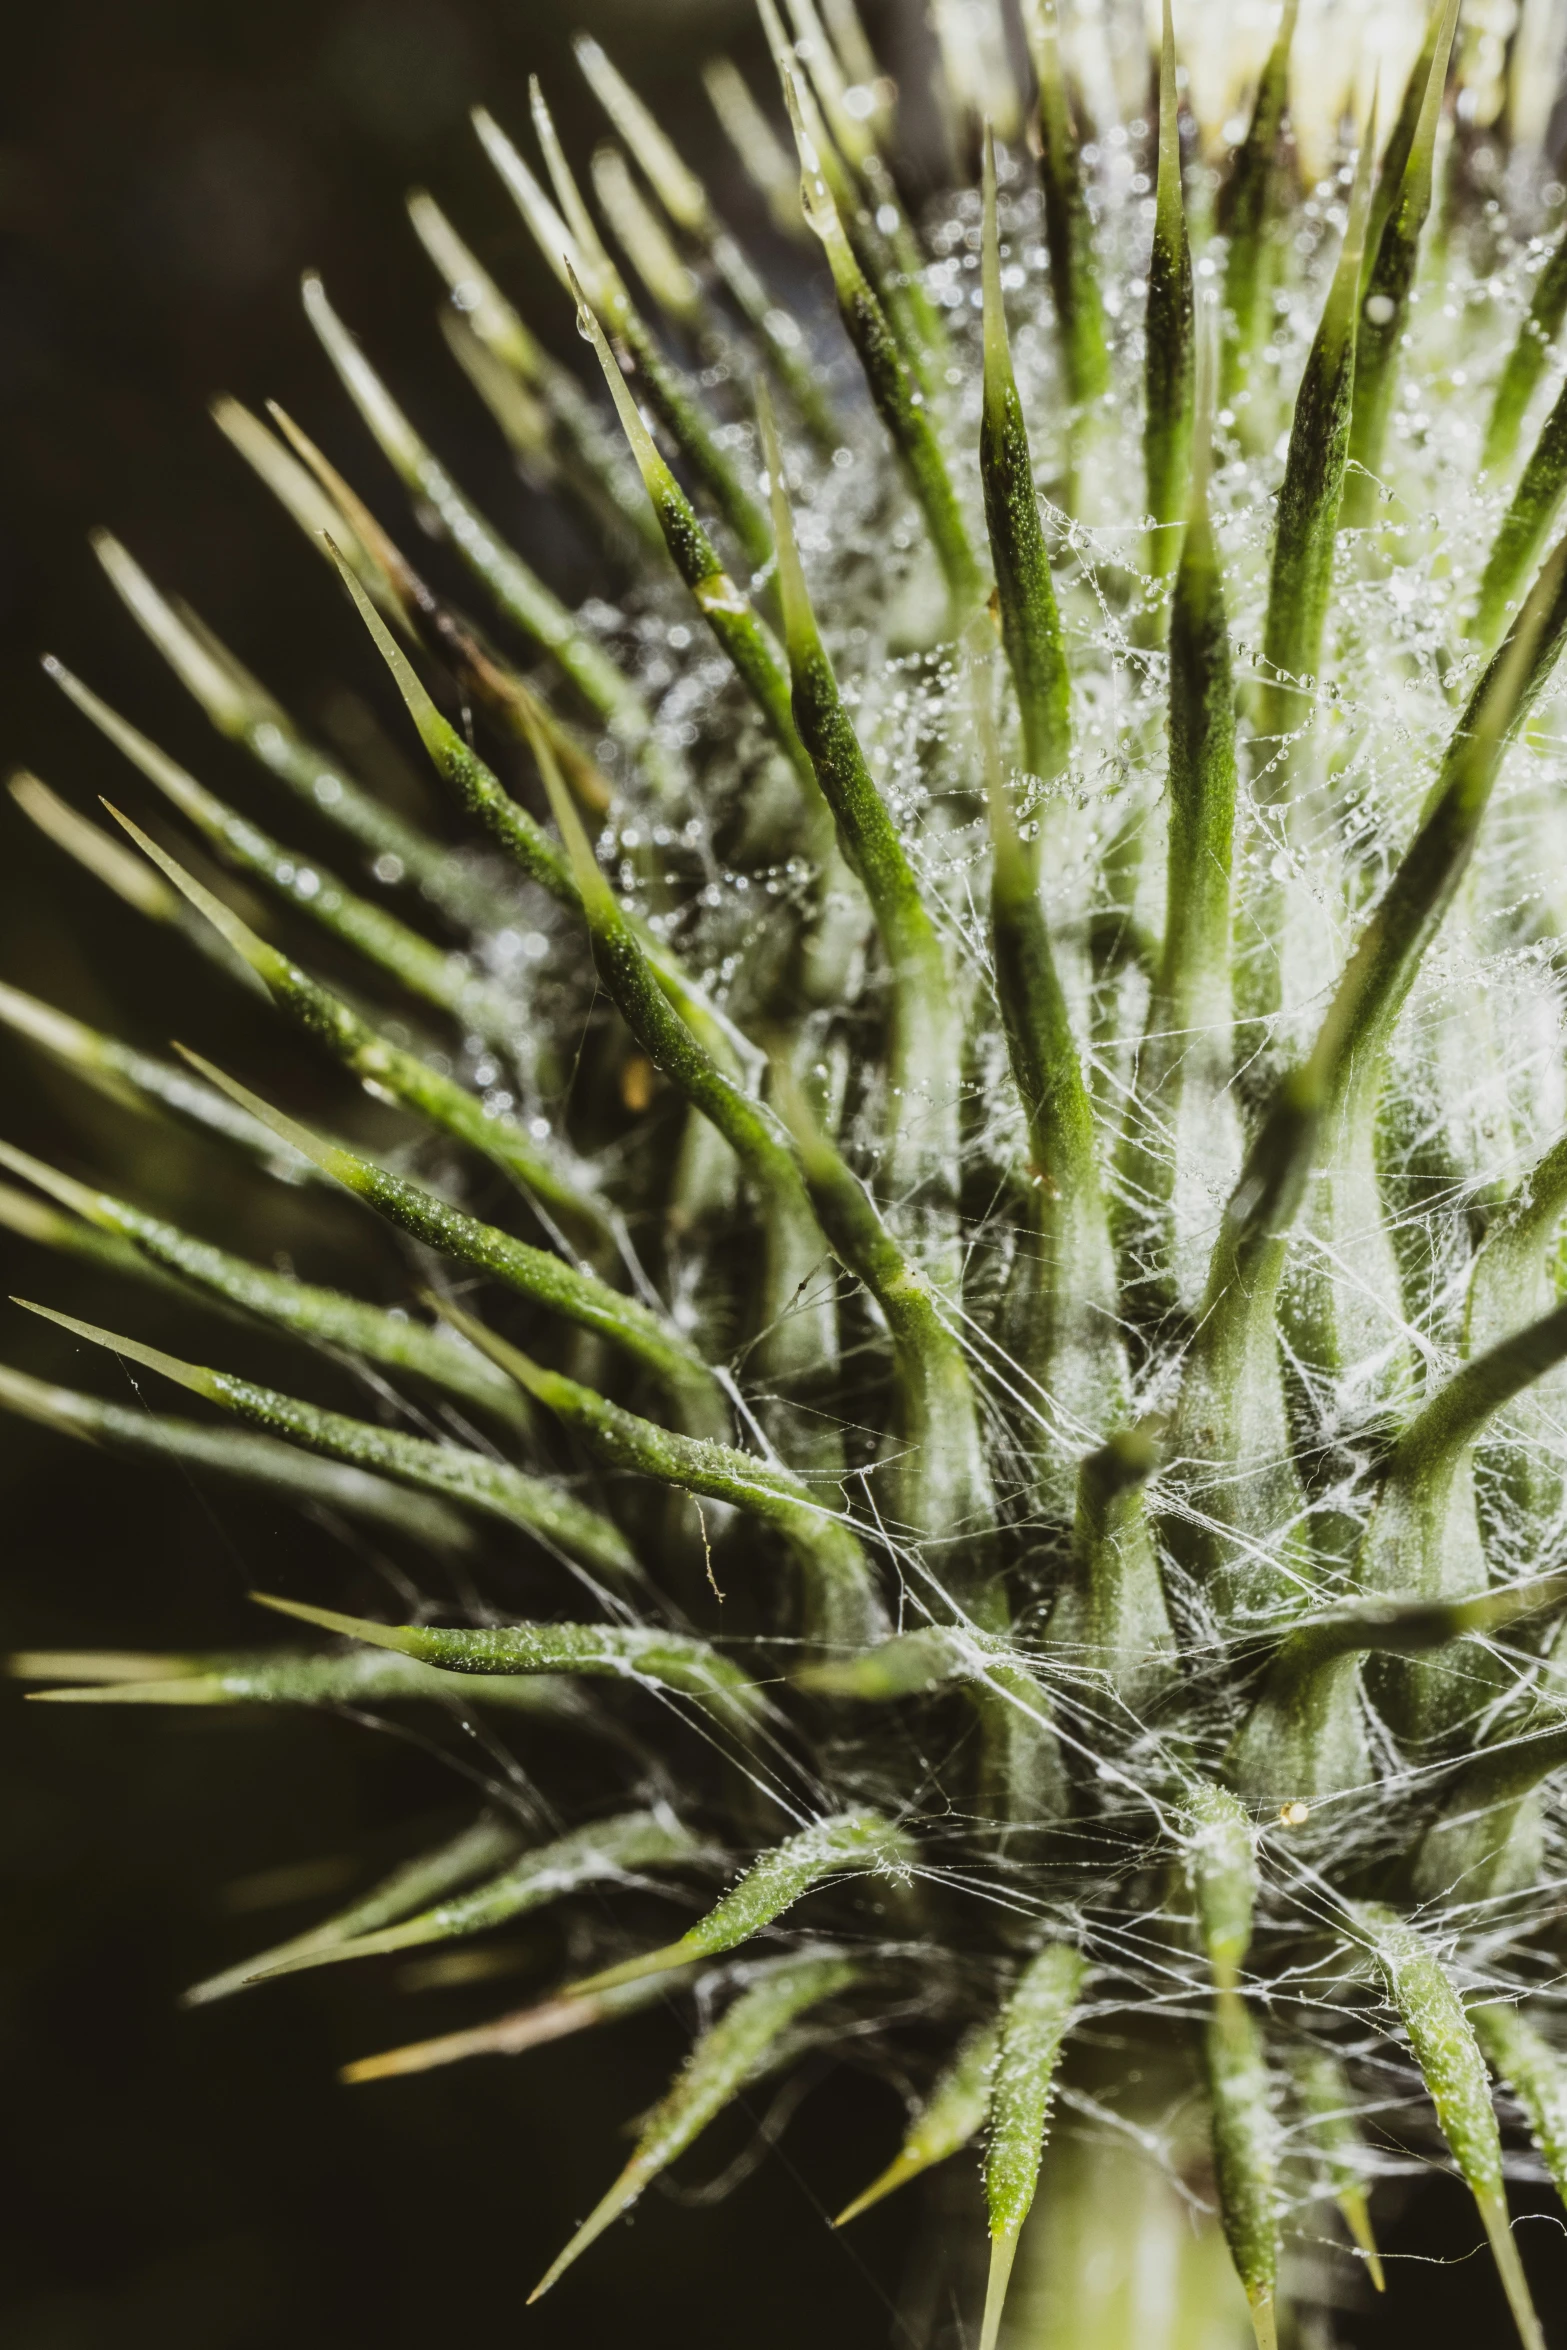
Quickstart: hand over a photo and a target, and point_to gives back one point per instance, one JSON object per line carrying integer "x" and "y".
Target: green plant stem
{"x": 607, "y": 1851}
{"x": 1445, "y": 2049}
{"x": 736, "y": 628}
{"x": 439, "y": 976}
{"x": 279, "y": 1471}
{"x": 577, "y": 445}
{"x": 717, "y": 2068}
{"x": 485, "y": 1845}
{"x": 1329, "y": 2100}
{"x": 1301, "y": 579}
{"x": 880, "y": 220}
{"x": 353, "y": 1677}
{"x": 1071, "y": 1351}
{"x": 1231, "y": 1406}
{"x": 1393, "y": 247}
{"x": 688, "y": 204}
{"x": 1251, "y": 225}
{"x": 858, "y": 1842}
{"x": 516, "y": 588}
{"x": 890, "y": 263}
{"x": 919, "y": 1167}
{"x": 842, "y": 1606}
{"x": 1245, "y": 2156}
{"x": 898, "y": 399}
{"x": 950, "y": 2117}
{"x": 324, "y": 1317}
{"x": 574, "y": 1292}
{"x": 1524, "y": 528}
{"x": 1182, "y": 1140}
{"x": 451, "y": 1471}
{"x": 382, "y": 1067}
{"x": 1170, "y": 374}
{"x": 1074, "y": 276}
{"x": 799, "y": 1330}
{"x": 945, "y": 1498}
{"x": 1532, "y": 2069}
{"x": 1034, "y": 2023}
{"x": 239, "y": 708}
{"x": 618, "y": 1652}
{"x": 141, "y": 1082}
{"x": 1112, "y": 1613}
{"x": 518, "y": 832}
{"x": 669, "y": 394}
{"x": 1025, "y": 593}
{"x": 1305, "y": 1736}
{"x": 1526, "y": 362}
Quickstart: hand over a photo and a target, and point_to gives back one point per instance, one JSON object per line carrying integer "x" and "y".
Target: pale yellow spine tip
{"x": 1264, "y": 2321}
{"x": 1003, "y": 2252}
{"x": 902, "y": 2168}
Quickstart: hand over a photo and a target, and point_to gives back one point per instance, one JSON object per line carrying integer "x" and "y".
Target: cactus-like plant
{"x": 1016, "y": 983}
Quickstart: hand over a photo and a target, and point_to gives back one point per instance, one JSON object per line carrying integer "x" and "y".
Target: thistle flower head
{"x": 1014, "y": 979}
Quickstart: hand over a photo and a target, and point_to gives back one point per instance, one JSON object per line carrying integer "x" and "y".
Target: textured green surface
{"x": 992, "y": 1163}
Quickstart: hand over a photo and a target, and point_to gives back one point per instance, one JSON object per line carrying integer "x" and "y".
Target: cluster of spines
{"x": 1112, "y": 1235}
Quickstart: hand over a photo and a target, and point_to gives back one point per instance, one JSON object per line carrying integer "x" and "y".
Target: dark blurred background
{"x": 201, "y": 2182}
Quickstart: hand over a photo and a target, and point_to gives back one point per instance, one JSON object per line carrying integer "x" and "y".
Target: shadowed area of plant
{"x": 971, "y": 1079}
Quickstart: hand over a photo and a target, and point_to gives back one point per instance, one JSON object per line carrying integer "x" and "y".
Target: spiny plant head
{"x": 1013, "y": 971}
